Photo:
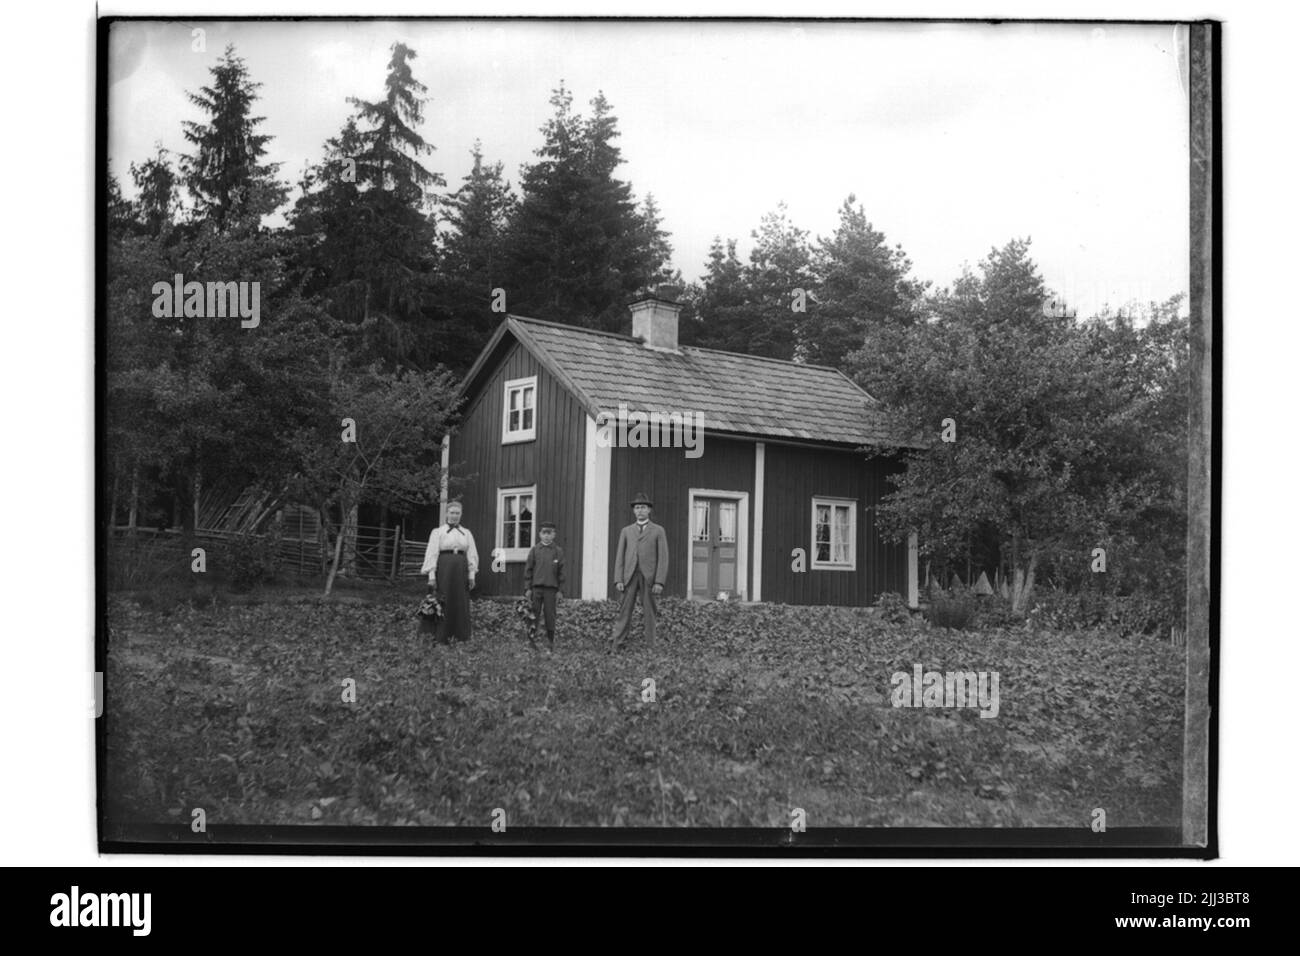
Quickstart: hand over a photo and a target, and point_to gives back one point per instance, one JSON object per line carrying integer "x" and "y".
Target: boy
{"x": 543, "y": 579}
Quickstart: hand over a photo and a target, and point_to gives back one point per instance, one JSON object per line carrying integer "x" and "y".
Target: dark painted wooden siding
{"x": 794, "y": 476}
{"x": 554, "y": 462}
{"x": 667, "y": 475}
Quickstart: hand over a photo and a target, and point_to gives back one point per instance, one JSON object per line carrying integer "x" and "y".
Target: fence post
{"x": 397, "y": 551}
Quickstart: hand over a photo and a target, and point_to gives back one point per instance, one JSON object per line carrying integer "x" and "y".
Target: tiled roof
{"x": 742, "y": 394}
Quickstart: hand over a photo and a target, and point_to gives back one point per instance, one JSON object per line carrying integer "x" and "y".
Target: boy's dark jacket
{"x": 544, "y": 567}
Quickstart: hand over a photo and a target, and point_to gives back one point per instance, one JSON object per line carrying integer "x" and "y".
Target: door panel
{"x": 701, "y": 547}
{"x": 714, "y": 524}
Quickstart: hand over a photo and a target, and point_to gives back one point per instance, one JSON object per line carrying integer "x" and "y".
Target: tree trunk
{"x": 198, "y": 496}
{"x": 134, "y": 513}
{"x": 112, "y": 500}
{"x": 1022, "y": 588}
{"x": 351, "y": 524}
{"x": 338, "y": 550}
{"x": 186, "y": 497}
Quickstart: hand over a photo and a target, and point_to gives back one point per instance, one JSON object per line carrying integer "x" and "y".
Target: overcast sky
{"x": 954, "y": 137}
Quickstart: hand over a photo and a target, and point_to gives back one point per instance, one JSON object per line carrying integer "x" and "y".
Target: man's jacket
{"x": 644, "y": 550}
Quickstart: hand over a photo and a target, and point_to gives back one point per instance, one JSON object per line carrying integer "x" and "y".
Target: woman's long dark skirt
{"x": 452, "y": 579}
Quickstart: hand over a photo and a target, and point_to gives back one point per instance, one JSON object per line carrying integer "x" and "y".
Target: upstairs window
{"x": 519, "y": 419}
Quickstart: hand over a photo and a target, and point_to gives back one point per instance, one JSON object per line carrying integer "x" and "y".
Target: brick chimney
{"x": 654, "y": 318}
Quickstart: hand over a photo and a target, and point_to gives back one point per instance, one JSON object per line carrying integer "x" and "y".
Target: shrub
{"x": 145, "y": 562}
{"x": 951, "y": 609}
{"x": 993, "y": 611}
{"x": 891, "y": 607}
{"x": 250, "y": 560}
{"x": 1125, "y": 614}
{"x": 167, "y": 596}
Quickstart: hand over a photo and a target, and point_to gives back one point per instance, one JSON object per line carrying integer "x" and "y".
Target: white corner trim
{"x": 595, "y": 517}
{"x": 443, "y": 489}
{"x": 913, "y": 578}
{"x": 760, "y": 465}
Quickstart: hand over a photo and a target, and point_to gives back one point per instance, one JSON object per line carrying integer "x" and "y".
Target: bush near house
{"x": 892, "y": 608}
{"x": 249, "y": 560}
{"x": 953, "y": 609}
{"x": 1124, "y": 614}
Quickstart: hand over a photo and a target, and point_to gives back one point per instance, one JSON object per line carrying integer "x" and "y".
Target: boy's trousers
{"x": 544, "y": 607}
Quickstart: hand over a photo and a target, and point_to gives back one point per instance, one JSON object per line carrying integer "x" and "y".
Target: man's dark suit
{"x": 640, "y": 562}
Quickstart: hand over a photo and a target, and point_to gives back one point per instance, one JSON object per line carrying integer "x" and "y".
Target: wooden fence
{"x": 371, "y": 552}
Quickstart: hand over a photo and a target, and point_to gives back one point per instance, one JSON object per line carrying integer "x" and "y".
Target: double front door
{"x": 713, "y": 547}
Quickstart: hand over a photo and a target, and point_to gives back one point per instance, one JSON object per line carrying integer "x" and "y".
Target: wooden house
{"x": 772, "y": 499}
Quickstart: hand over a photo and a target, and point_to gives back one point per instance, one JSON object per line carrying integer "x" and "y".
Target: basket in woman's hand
{"x": 430, "y": 608}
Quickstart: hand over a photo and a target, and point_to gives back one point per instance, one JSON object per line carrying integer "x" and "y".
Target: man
{"x": 640, "y": 567}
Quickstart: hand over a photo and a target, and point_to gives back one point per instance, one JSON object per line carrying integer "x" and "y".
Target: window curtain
{"x": 700, "y": 521}
{"x": 727, "y": 521}
{"x": 843, "y": 521}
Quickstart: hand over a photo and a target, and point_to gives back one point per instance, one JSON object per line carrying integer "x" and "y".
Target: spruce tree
{"x": 389, "y": 151}
{"x": 225, "y": 175}
{"x": 720, "y": 308}
{"x": 369, "y": 236}
{"x": 473, "y": 263}
{"x": 579, "y": 245}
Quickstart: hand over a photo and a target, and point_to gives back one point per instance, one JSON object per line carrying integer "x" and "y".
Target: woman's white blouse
{"x": 446, "y": 537}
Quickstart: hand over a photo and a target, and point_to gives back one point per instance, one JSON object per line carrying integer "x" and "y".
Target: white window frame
{"x": 833, "y": 503}
{"x": 509, "y": 437}
{"x": 513, "y": 555}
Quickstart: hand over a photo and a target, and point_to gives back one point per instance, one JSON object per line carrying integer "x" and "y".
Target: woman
{"x": 451, "y": 562}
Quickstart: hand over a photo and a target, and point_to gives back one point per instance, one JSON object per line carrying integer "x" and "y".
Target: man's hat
{"x": 546, "y": 524}
{"x": 642, "y": 499}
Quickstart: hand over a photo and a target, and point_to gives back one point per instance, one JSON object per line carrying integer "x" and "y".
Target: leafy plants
{"x": 237, "y": 708}
{"x": 993, "y": 611}
{"x": 251, "y": 560}
{"x": 1125, "y": 614}
{"x": 952, "y": 609}
{"x": 891, "y": 607}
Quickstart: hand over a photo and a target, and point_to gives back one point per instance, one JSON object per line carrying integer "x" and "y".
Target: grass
{"x": 239, "y": 709}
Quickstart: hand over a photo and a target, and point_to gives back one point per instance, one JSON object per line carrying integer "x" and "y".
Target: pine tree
{"x": 225, "y": 175}
{"x": 859, "y": 281}
{"x": 777, "y": 283}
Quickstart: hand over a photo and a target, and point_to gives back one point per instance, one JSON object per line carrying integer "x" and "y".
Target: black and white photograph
{"x": 655, "y": 433}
